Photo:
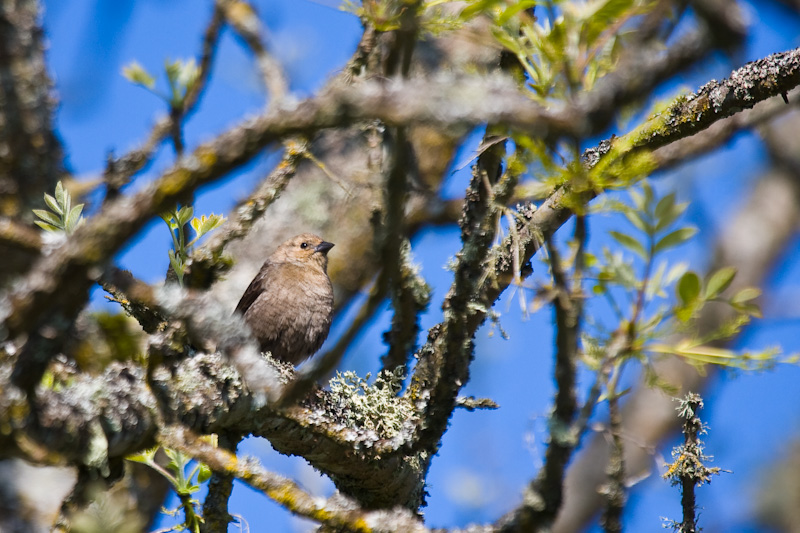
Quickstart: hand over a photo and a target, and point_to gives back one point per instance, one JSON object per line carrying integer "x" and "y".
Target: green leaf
{"x": 175, "y": 261}
{"x": 476, "y": 8}
{"x": 212, "y": 222}
{"x": 515, "y": 8}
{"x": 669, "y": 216}
{"x": 599, "y": 289}
{"x": 750, "y": 309}
{"x": 73, "y": 219}
{"x": 719, "y": 281}
{"x": 674, "y": 238}
{"x": 61, "y": 195}
{"x": 745, "y": 295}
{"x": 146, "y": 457}
{"x": 48, "y": 217}
{"x": 136, "y": 73}
{"x": 689, "y": 288}
{"x": 52, "y": 204}
{"x": 184, "y": 215}
{"x": 604, "y": 14}
{"x": 638, "y": 200}
{"x": 47, "y": 227}
{"x": 188, "y": 74}
{"x": 204, "y": 473}
{"x": 684, "y": 314}
{"x": 629, "y": 242}
{"x": 665, "y": 206}
{"x": 173, "y": 70}
{"x": 648, "y": 195}
{"x": 655, "y": 284}
{"x": 635, "y": 218}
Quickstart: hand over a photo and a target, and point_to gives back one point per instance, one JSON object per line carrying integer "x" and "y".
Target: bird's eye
{"x": 304, "y": 245}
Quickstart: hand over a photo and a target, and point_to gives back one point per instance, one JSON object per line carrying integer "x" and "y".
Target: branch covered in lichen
{"x": 338, "y": 513}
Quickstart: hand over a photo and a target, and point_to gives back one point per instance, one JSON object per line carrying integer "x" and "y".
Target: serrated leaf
{"x": 147, "y": 456}
{"x": 52, "y": 204}
{"x": 73, "y": 219}
{"x": 745, "y": 295}
{"x": 674, "y": 238}
{"x": 629, "y": 242}
{"x": 47, "y": 216}
{"x": 719, "y": 281}
{"x": 136, "y": 73}
{"x": 688, "y": 288}
{"x": 211, "y": 222}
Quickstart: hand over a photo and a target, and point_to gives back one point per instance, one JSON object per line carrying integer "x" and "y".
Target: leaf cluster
{"x": 655, "y": 230}
{"x": 62, "y": 217}
{"x": 178, "y": 221}
{"x": 568, "y": 47}
{"x": 181, "y": 77}
{"x": 185, "y": 482}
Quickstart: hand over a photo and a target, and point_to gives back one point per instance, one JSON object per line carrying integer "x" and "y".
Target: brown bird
{"x": 289, "y": 304}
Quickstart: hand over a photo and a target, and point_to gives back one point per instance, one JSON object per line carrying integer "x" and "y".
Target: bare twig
{"x": 242, "y": 17}
{"x": 120, "y": 170}
{"x": 544, "y": 495}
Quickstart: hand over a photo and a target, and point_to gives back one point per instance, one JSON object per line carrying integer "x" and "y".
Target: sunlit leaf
{"x": 515, "y": 8}
{"x": 136, "y": 73}
{"x": 689, "y": 288}
{"x": 47, "y": 227}
{"x": 674, "y": 238}
{"x": 73, "y": 219}
{"x": 48, "y": 217}
{"x": 669, "y": 216}
{"x": 629, "y": 242}
{"x": 52, "y": 203}
{"x": 184, "y": 215}
{"x": 204, "y": 473}
{"x": 745, "y": 295}
{"x": 635, "y": 218}
{"x": 719, "y": 281}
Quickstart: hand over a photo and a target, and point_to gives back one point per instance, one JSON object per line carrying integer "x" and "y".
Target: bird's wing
{"x": 255, "y": 288}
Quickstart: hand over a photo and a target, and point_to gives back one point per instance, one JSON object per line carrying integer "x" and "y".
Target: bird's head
{"x": 304, "y": 249}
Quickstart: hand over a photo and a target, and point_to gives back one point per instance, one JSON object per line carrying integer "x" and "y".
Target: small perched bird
{"x": 289, "y": 304}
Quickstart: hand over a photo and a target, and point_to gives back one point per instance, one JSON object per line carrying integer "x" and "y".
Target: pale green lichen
{"x": 373, "y": 407}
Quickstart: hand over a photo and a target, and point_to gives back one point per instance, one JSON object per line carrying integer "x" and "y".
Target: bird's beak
{"x": 323, "y": 247}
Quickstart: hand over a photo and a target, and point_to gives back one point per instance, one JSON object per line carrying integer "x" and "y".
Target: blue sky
{"x": 486, "y": 457}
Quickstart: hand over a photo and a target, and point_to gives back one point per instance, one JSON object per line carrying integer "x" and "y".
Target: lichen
{"x": 373, "y": 407}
